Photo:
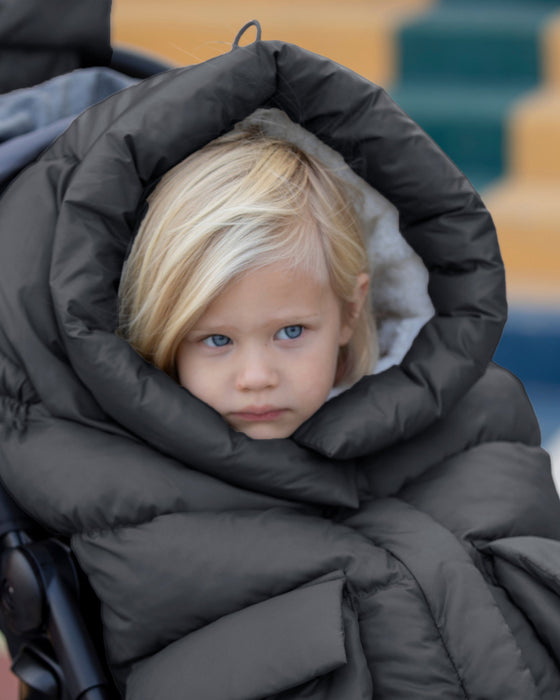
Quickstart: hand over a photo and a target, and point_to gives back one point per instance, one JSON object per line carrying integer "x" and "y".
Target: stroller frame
{"x": 53, "y": 653}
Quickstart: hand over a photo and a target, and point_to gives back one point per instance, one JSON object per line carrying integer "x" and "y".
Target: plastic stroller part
{"x": 55, "y": 657}
{"x": 39, "y": 673}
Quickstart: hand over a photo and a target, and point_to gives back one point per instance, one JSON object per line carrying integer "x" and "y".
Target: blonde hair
{"x": 242, "y": 202}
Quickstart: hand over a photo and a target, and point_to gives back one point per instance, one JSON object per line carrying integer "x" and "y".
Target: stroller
{"x": 55, "y": 652}
{"x": 135, "y": 507}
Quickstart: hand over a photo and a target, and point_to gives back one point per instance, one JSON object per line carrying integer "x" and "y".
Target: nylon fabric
{"x": 40, "y": 40}
{"x": 353, "y": 560}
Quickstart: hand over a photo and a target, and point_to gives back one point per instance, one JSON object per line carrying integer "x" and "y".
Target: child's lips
{"x": 255, "y": 414}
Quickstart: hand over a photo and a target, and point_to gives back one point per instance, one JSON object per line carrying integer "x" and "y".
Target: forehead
{"x": 278, "y": 291}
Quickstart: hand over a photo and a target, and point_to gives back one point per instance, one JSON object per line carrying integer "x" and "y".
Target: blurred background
{"x": 482, "y": 77}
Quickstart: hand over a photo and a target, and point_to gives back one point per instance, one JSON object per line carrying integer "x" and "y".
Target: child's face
{"x": 264, "y": 354}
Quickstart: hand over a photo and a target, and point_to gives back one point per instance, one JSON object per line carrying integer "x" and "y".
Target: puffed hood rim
{"x": 99, "y": 172}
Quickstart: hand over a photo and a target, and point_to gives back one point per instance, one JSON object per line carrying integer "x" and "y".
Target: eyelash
{"x": 210, "y": 341}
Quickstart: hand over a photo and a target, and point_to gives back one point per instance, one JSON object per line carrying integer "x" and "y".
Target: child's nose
{"x": 256, "y": 372}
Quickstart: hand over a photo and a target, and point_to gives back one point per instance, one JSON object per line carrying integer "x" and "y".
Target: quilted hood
{"x": 67, "y": 225}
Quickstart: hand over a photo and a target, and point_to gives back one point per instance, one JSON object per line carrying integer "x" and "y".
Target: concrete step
{"x": 464, "y": 67}
{"x": 476, "y": 42}
{"x": 534, "y": 136}
{"x": 359, "y": 34}
{"x": 527, "y": 217}
{"x": 488, "y": 131}
{"x": 467, "y": 121}
{"x": 551, "y": 46}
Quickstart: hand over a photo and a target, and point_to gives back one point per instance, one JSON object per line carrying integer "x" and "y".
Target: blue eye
{"x": 216, "y": 341}
{"x": 290, "y": 332}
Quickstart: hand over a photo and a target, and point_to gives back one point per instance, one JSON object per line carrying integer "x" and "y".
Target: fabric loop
{"x": 252, "y": 23}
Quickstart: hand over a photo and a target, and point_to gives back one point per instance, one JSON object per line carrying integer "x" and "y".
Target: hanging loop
{"x": 252, "y": 23}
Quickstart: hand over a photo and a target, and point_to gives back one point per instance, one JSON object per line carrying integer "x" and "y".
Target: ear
{"x": 353, "y": 308}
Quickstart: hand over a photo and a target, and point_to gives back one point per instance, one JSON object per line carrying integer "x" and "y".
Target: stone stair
{"x": 526, "y": 202}
{"x": 470, "y": 74}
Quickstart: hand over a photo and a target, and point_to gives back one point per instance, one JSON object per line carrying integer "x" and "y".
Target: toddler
{"x": 245, "y": 537}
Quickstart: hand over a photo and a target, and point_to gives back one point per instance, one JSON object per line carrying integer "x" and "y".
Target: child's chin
{"x": 266, "y": 431}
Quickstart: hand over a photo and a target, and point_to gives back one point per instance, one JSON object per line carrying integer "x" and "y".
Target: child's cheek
{"x": 316, "y": 375}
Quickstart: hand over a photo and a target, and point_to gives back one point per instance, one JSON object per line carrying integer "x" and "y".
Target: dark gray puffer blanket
{"x": 404, "y": 544}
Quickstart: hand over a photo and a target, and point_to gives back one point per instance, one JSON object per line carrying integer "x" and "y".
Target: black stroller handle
{"x": 39, "y": 597}
{"x": 39, "y": 586}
